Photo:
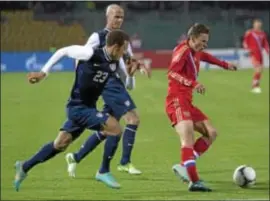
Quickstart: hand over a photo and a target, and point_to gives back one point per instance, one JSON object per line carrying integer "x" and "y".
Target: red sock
{"x": 188, "y": 160}
{"x": 256, "y": 80}
{"x": 201, "y": 145}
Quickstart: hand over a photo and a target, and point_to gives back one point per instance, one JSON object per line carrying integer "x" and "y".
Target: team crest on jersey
{"x": 113, "y": 67}
{"x": 99, "y": 114}
{"x": 127, "y": 103}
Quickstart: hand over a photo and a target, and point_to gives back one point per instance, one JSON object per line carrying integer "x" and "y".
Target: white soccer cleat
{"x": 129, "y": 168}
{"x": 71, "y": 164}
{"x": 256, "y": 90}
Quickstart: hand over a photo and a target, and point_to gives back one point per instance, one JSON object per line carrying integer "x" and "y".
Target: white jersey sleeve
{"x": 93, "y": 40}
{"x": 129, "y": 50}
{"x": 75, "y": 52}
{"x": 129, "y": 81}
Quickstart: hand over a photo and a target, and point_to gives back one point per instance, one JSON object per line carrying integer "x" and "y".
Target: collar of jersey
{"x": 107, "y": 29}
{"x": 107, "y": 56}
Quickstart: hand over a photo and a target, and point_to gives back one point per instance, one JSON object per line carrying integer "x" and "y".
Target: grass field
{"x": 31, "y": 116}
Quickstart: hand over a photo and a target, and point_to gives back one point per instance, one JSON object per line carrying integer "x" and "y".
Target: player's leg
{"x": 185, "y": 131}
{"x": 132, "y": 121}
{"x": 112, "y": 129}
{"x": 203, "y": 126}
{"x": 257, "y": 62}
{"x": 209, "y": 134}
{"x": 180, "y": 115}
{"x": 122, "y": 105}
{"x": 88, "y": 146}
{"x": 67, "y": 134}
{"x": 92, "y": 119}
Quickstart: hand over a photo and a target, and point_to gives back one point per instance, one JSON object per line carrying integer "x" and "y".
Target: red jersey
{"x": 184, "y": 70}
{"x": 255, "y": 41}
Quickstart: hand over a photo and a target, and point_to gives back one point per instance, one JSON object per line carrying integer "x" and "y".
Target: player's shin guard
{"x": 89, "y": 145}
{"x": 109, "y": 151}
{"x": 188, "y": 160}
{"x": 256, "y": 79}
{"x": 45, "y": 153}
{"x": 128, "y": 142}
{"x": 201, "y": 146}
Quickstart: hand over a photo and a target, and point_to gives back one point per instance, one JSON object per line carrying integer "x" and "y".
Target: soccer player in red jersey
{"x": 255, "y": 40}
{"x": 184, "y": 116}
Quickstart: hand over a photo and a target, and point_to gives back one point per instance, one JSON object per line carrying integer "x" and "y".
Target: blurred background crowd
{"x": 34, "y": 26}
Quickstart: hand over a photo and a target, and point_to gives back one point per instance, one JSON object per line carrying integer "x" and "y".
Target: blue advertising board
{"x": 32, "y": 61}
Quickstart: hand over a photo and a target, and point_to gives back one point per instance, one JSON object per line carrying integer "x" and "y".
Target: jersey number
{"x": 100, "y": 76}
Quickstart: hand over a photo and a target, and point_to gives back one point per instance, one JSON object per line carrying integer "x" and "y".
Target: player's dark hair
{"x": 197, "y": 29}
{"x": 256, "y": 20}
{"x": 116, "y": 37}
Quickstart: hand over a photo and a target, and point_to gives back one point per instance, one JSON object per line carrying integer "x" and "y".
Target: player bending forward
{"x": 184, "y": 116}
{"x": 254, "y": 41}
{"x": 93, "y": 71}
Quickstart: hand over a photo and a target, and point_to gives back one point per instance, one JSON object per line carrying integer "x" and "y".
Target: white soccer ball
{"x": 244, "y": 176}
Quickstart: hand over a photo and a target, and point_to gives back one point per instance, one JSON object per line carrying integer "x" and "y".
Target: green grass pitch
{"x": 32, "y": 114}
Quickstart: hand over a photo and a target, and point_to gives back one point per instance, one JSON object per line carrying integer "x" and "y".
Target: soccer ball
{"x": 244, "y": 176}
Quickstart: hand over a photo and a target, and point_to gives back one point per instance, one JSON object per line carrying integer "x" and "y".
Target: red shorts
{"x": 180, "y": 109}
{"x": 256, "y": 59}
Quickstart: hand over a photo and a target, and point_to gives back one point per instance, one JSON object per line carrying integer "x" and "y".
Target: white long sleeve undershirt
{"x": 77, "y": 52}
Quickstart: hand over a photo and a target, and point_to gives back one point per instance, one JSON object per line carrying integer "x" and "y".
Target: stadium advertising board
{"x": 34, "y": 61}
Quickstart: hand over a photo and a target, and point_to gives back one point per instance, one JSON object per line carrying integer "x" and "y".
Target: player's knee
{"x": 132, "y": 118}
{"x": 185, "y": 131}
{"x": 62, "y": 141}
{"x": 258, "y": 69}
{"x": 112, "y": 127}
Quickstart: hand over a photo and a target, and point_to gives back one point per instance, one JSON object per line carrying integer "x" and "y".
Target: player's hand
{"x": 200, "y": 88}
{"x": 138, "y": 65}
{"x": 35, "y": 77}
{"x": 232, "y": 67}
{"x": 132, "y": 66}
{"x": 145, "y": 70}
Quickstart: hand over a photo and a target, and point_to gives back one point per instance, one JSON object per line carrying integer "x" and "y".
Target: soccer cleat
{"x": 198, "y": 186}
{"x": 71, "y": 164}
{"x": 256, "y": 90}
{"x": 19, "y": 176}
{"x": 108, "y": 179}
{"x": 129, "y": 168}
{"x": 181, "y": 172}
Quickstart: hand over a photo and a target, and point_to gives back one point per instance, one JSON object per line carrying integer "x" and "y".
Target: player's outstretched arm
{"x": 75, "y": 52}
{"x": 213, "y": 60}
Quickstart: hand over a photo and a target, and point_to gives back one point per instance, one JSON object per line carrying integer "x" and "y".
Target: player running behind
{"x": 255, "y": 40}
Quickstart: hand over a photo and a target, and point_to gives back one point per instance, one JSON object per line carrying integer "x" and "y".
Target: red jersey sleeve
{"x": 179, "y": 61}
{"x": 265, "y": 43}
{"x": 213, "y": 60}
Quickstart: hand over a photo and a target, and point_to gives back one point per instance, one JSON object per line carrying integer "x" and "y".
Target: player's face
{"x": 116, "y": 18}
{"x": 200, "y": 42}
{"x": 118, "y": 51}
{"x": 257, "y": 25}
